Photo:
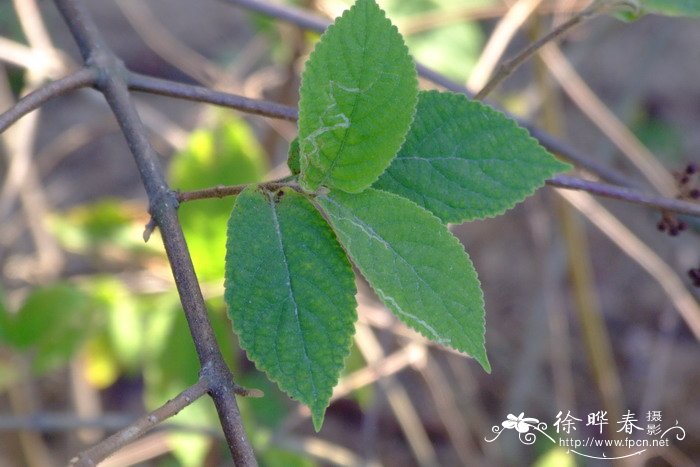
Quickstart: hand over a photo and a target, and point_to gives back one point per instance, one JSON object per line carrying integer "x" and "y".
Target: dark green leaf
{"x": 290, "y": 291}
{"x": 463, "y": 160}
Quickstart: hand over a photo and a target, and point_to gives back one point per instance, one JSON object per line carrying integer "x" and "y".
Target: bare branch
{"x": 190, "y": 92}
{"x": 79, "y": 79}
{"x": 112, "y": 83}
{"x": 140, "y": 427}
{"x": 625, "y": 194}
{"x": 498, "y": 41}
{"x": 506, "y": 68}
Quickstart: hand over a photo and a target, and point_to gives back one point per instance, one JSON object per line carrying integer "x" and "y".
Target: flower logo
{"x": 520, "y": 423}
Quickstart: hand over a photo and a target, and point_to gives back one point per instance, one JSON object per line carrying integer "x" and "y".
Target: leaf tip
{"x": 484, "y": 361}
{"x": 317, "y": 416}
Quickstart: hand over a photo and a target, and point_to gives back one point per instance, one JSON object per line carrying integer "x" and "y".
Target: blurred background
{"x": 589, "y": 306}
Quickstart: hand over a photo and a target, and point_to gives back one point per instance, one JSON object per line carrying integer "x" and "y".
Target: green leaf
{"x": 290, "y": 291}
{"x": 357, "y": 99}
{"x": 663, "y": 7}
{"x": 463, "y": 160}
{"x": 416, "y": 266}
{"x": 293, "y": 157}
{"x": 53, "y": 323}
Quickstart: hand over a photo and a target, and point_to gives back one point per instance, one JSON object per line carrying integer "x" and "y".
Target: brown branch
{"x": 99, "y": 452}
{"x": 190, "y": 92}
{"x": 506, "y": 68}
{"x": 80, "y": 79}
{"x": 113, "y": 84}
{"x": 625, "y": 194}
{"x": 560, "y": 181}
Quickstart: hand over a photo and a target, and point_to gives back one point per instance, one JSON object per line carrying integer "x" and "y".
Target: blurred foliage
{"x": 661, "y": 137}
{"x": 557, "y": 457}
{"x": 227, "y": 154}
{"x": 52, "y": 323}
{"x": 108, "y": 230}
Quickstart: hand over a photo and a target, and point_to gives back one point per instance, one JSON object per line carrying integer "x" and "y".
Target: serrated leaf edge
{"x": 522, "y": 194}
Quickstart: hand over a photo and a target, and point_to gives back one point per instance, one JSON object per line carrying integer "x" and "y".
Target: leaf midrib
{"x": 397, "y": 254}
{"x": 278, "y": 231}
{"x": 335, "y": 160}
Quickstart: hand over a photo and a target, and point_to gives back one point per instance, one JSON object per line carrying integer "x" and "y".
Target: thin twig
{"x": 560, "y": 181}
{"x": 143, "y": 425}
{"x": 190, "y": 92}
{"x": 505, "y": 69}
{"x": 501, "y": 36}
{"x": 625, "y": 194}
{"x": 80, "y": 79}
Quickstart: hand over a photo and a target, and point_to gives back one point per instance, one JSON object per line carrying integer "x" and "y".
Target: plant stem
{"x": 560, "y": 181}
{"x": 138, "y": 82}
{"x": 222, "y": 191}
{"x": 506, "y": 68}
{"x": 625, "y": 194}
{"x": 140, "y": 427}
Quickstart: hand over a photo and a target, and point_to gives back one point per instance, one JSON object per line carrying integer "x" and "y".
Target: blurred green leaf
{"x": 662, "y": 138}
{"x": 101, "y": 363}
{"x": 125, "y": 330}
{"x": 355, "y": 361}
{"x": 52, "y": 324}
{"x": 557, "y": 457}
{"x": 227, "y": 154}
{"x": 276, "y": 457}
{"x": 108, "y": 228}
